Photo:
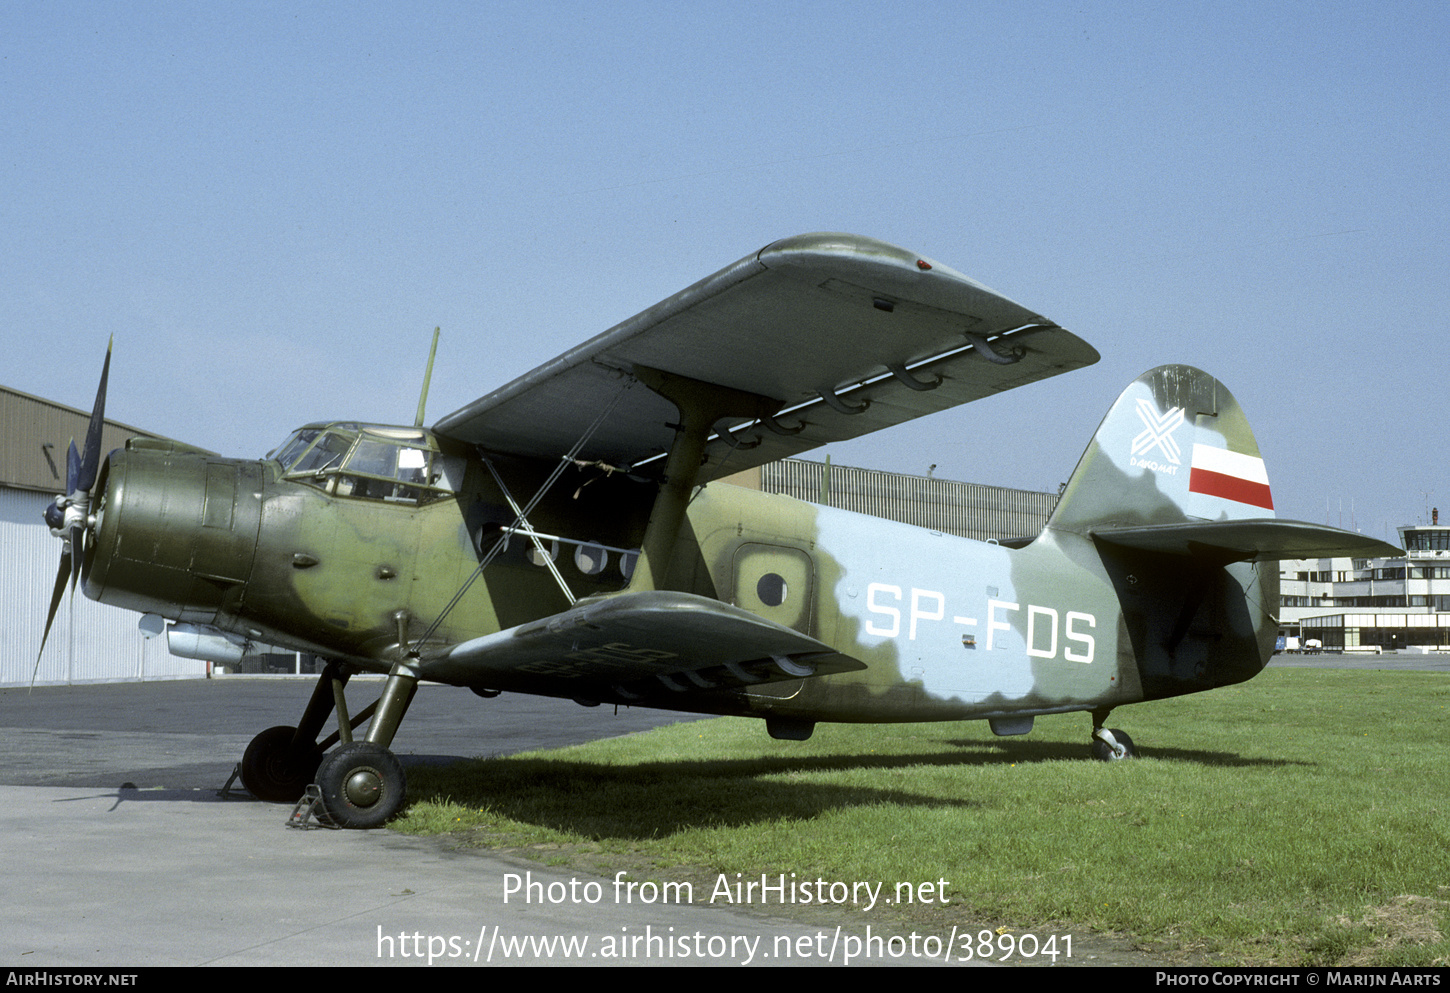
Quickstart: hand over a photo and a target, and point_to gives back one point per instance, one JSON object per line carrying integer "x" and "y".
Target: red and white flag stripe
{"x": 1231, "y": 475}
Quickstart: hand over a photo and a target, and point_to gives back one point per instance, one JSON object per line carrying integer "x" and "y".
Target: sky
{"x": 271, "y": 206}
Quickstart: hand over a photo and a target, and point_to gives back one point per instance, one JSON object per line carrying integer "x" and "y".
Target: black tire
{"x": 1103, "y": 753}
{"x": 274, "y": 771}
{"x": 362, "y": 785}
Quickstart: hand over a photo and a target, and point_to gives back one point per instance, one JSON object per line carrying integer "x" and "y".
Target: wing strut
{"x": 700, "y": 406}
{"x": 521, "y": 520}
{"x": 521, "y": 523}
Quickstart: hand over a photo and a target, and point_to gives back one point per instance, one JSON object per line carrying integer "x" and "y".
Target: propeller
{"x": 69, "y": 515}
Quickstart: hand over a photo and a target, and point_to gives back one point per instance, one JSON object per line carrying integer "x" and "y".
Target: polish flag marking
{"x": 1221, "y": 473}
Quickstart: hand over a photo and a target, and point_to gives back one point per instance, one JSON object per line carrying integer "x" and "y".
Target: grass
{"x": 1301, "y": 818}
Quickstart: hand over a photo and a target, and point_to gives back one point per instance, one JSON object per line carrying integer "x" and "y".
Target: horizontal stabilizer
{"x": 1251, "y": 540}
{"x": 637, "y": 645}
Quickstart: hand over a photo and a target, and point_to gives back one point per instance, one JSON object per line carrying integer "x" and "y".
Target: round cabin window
{"x": 771, "y": 589}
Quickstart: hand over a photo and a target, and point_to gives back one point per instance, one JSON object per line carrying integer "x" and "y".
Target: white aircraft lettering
{"x": 1049, "y": 634}
{"x": 993, "y": 624}
{"x": 916, "y": 614}
{"x": 1034, "y": 612}
{"x": 1086, "y": 639}
{"x": 891, "y": 612}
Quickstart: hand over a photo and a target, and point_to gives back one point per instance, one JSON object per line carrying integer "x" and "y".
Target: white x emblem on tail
{"x": 1158, "y": 432}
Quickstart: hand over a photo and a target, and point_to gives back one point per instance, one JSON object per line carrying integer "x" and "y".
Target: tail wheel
{"x": 362, "y": 785}
{"x": 1112, "y": 745}
{"x": 276, "y": 771}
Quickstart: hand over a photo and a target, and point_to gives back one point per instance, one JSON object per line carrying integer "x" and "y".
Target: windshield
{"x": 374, "y": 462}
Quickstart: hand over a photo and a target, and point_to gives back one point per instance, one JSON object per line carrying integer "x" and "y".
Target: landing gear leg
{"x": 362, "y": 782}
{"x": 1110, "y": 744}
{"x": 280, "y": 762}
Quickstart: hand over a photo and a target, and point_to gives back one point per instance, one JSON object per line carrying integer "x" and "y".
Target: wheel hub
{"x": 363, "y": 787}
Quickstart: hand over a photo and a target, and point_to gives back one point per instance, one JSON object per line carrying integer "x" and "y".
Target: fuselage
{"x": 361, "y": 543}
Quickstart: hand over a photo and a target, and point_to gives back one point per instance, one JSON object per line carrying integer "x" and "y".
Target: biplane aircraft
{"x": 559, "y": 537}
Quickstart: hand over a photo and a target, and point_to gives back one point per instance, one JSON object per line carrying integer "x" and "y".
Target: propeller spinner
{"x": 69, "y": 515}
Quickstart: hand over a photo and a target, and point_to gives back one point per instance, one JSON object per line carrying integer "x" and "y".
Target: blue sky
{"x": 272, "y": 205}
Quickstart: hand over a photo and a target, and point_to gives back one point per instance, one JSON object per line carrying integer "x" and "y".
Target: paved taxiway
{"x": 1422, "y": 661}
{"x": 118, "y": 850}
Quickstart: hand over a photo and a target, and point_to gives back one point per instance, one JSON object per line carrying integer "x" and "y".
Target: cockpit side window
{"x": 294, "y": 446}
{"x": 376, "y": 458}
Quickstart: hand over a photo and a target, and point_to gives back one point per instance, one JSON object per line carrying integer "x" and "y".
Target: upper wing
{"x": 838, "y": 335}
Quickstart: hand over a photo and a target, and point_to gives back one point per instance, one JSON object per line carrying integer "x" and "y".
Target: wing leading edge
{"x": 835, "y": 335}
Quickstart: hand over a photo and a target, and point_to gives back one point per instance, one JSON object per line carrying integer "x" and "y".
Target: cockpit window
{"x": 397, "y": 465}
{"x": 295, "y": 445}
{"x": 325, "y": 454}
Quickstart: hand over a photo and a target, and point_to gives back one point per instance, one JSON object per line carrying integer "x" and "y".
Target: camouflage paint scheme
{"x": 948, "y": 628}
{"x": 417, "y": 553}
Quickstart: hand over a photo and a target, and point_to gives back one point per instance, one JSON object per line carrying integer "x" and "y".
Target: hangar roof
{"x": 34, "y": 436}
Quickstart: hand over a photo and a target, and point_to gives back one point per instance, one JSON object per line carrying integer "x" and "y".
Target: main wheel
{"x": 362, "y": 784}
{"x": 275, "y": 771}
{"x": 1104, "y": 752}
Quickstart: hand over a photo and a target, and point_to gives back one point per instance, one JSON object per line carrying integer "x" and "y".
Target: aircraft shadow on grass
{"x": 660, "y": 798}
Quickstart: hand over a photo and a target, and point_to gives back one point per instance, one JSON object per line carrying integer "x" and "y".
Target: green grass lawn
{"x": 1300, "y": 818}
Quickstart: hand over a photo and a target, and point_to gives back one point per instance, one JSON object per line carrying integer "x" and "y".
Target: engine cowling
{"x": 175, "y": 532}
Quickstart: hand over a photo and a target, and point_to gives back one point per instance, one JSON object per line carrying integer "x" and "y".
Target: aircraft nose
{"x": 176, "y": 533}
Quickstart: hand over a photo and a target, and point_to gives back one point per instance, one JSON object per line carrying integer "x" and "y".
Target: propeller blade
{"x": 76, "y": 546}
{"x": 91, "y": 461}
{"x": 72, "y": 468}
{"x": 81, "y": 469}
{"x": 60, "y": 580}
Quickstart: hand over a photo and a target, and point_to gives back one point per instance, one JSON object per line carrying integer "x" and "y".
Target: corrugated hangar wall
{"x": 89, "y": 642}
{"x": 969, "y": 510}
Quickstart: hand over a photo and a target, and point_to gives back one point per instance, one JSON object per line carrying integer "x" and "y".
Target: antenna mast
{"x": 427, "y": 378}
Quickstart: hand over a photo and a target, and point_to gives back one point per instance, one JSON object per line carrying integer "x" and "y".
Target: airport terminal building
{"x": 1390, "y": 604}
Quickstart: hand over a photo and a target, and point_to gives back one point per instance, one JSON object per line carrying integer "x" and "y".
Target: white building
{"x": 1400, "y": 603}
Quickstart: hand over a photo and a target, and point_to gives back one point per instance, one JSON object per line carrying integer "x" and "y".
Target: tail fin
{"x": 1175, "y": 447}
{"x": 1174, "y": 468}
{"x": 1173, "y": 494}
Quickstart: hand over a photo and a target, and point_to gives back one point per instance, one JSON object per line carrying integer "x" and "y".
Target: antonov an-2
{"x": 558, "y": 536}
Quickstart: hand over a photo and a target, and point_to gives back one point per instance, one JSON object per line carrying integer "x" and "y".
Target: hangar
{"x": 89, "y": 643}
{"x": 968, "y": 510}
